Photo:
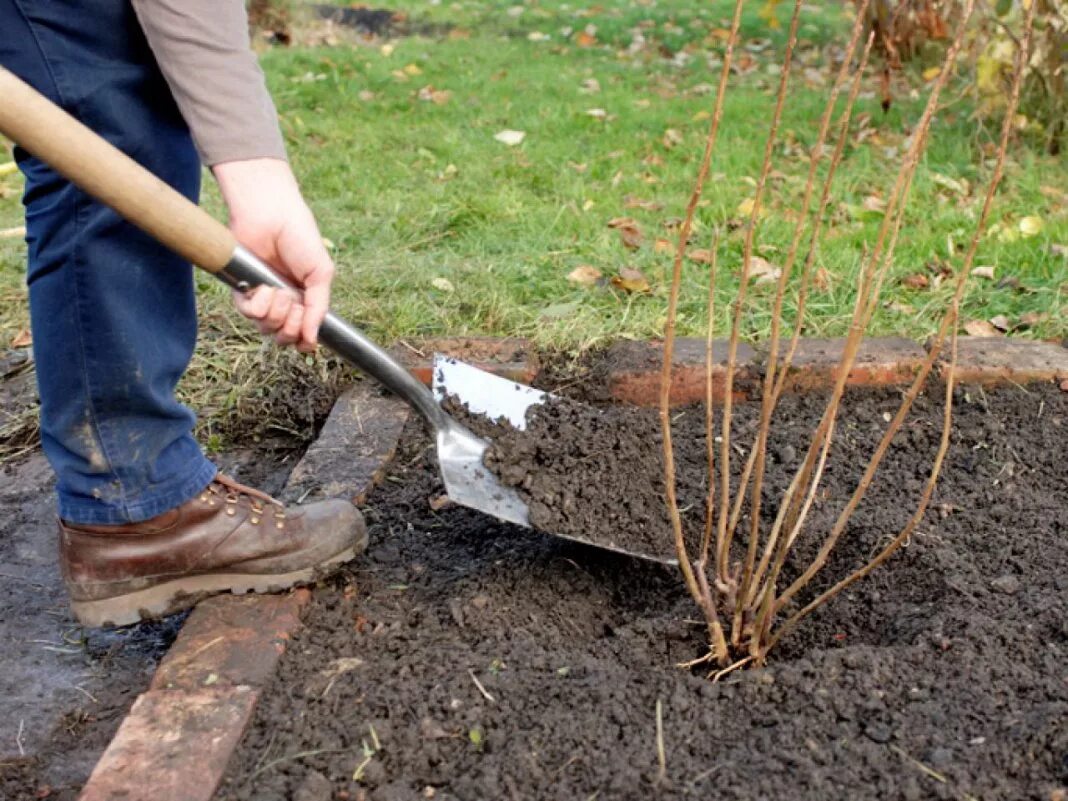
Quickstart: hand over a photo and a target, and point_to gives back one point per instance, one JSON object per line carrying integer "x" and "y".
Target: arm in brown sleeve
{"x": 202, "y": 47}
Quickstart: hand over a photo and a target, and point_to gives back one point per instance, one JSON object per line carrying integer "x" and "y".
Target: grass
{"x": 417, "y": 196}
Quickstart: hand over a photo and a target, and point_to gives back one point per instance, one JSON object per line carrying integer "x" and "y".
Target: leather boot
{"x": 230, "y": 538}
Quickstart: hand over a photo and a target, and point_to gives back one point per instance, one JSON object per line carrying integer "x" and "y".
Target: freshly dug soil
{"x": 465, "y": 659}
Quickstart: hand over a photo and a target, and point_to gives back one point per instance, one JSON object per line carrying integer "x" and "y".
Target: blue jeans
{"x": 113, "y": 312}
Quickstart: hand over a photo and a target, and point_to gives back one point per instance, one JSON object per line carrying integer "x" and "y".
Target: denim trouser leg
{"x": 113, "y": 313}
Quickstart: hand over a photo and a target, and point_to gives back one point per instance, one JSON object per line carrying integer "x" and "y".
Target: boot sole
{"x": 180, "y": 594}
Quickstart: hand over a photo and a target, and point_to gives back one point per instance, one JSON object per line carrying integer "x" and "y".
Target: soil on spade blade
{"x": 463, "y": 659}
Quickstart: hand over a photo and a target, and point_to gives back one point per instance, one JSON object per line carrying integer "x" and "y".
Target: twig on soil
{"x": 481, "y": 689}
{"x": 934, "y": 774}
{"x": 661, "y": 754}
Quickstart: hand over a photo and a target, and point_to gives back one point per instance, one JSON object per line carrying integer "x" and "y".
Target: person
{"x": 148, "y": 526}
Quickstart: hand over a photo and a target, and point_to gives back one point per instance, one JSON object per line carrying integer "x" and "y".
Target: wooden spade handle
{"x": 56, "y": 138}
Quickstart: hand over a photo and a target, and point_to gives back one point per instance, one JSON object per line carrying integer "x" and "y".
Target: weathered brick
{"x": 511, "y": 358}
{"x": 354, "y": 447}
{"x": 173, "y": 746}
{"x": 994, "y": 360}
{"x": 881, "y": 361}
{"x": 231, "y": 640}
{"x": 633, "y": 371}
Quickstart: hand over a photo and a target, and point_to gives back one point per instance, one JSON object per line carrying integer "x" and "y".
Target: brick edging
{"x": 175, "y": 742}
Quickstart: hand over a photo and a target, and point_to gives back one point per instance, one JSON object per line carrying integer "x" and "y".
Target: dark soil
{"x": 64, "y": 690}
{"x": 466, "y": 659}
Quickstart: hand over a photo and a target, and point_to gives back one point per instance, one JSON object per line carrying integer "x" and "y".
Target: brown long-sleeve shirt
{"x": 202, "y": 47}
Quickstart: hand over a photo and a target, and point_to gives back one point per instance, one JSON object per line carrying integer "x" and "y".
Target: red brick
{"x": 994, "y": 360}
{"x": 173, "y": 746}
{"x": 353, "y": 449}
{"x": 231, "y": 640}
{"x": 510, "y": 358}
{"x": 881, "y": 361}
{"x": 634, "y": 371}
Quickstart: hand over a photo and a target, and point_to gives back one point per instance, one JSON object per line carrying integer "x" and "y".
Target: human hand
{"x": 268, "y": 216}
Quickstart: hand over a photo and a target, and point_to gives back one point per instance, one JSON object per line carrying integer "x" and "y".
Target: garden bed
{"x": 465, "y": 659}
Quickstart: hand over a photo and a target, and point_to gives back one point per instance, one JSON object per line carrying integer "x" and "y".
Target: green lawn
{"x": 440, "y": 229}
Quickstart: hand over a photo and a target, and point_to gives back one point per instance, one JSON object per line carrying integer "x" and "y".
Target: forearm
{"x": 202, "y": 48}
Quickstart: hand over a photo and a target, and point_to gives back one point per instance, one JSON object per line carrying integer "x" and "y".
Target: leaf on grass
{"x": 1001, "y": 322}
{"x": 631, "y": 280}
{"x": 1031, "y": 226}
{"x": 13, "y": 233}
{"x": 1059, "y": 250}
{"x": 584, "y": 275}
{"x": 981, "y": 328}
{"x": 663, "y": 246}
{"x": 874, "y": 203}
{"x": 916, "y": 281}
{"x": 762, "y": 271}
{"x": 597, "y": 113}
{"x": 23, "y": 339}
{"x": 671, "y": 138}
{"x": 510, "y": 138}
{"x": 585, "y": 39}
{"x": 960, "y": 187}
{"x": 631, "y": 236}
{"x": 931, "y": 73}
{"x": 984, "y": 271}
{"x": 700, "y": 255}
{"x": 412, "y": 69}
{"x": 622, "y": 222}
{"x": 745, "y": 209}
{"x": 632, "y": 202}
{"x": 590, "y": 86}
{"x": 444, "y": 284}
{"x": 439, "y": 97}
{"x": 1030, "y": 319}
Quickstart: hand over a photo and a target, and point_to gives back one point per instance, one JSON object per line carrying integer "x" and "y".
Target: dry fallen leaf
{"x": 622, "y": 222}
{"x": 663, "y": 246}
{"x": 985, "y": 271}
{"x": 632, "y": 202}
{"x": 1031, "y": 226}
{"x": 700, "y": 255}
{"x": 874, "y": 203}
{"x": 23, "y": 339}
{"x": 980, "y": 328}
{"x": 438, "y": 97}
{"x": 761, "y": 271}
{"x": 1029, "y": 319}
{"x": 590, "y": 86}
{"x": 597, "y": 113}
{"x": 630, "y": 280}
{"x": 631, "y": 236}
{"x": 412, "y": 69}
{"x": 585, "y": 39}
{"x": 584, "y": 275}
{"x": 1000, "y": 322}
{"x": 1059, "y": 250}
{"x": 510, "y": 138}
{"x": 13, "y": 233}
{"x": 916, "y": 281}
{"x": 931, "y": 73}
{"x": 444, "y": 284}
{"x": 671, "y": 138}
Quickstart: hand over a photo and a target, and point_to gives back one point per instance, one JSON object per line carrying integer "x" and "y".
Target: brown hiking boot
{"x": 230, "y": 538}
